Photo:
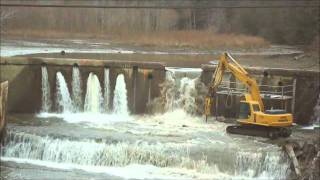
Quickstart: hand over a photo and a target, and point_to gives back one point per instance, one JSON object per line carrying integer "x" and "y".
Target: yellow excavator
{"x": 253, "y": 120}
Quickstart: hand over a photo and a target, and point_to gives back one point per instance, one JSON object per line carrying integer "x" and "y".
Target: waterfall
{"x": 63, "y": 96}
{"x": 263, "y": 164}
{"x": 76, "y": 89}
{"x": 120, "y": 102}
{"x": 93, "y": 100}
{"x": 106, "y": 90}
{"x": 266, "y": 163}
{"x": 187, "y": 95}
{"x": 166, "y": 102}
{"x": 182, "y": 89}
{"x": 45, "y": 87}
{"x": 88, "y": 152}
{"x": 169, "y": 92}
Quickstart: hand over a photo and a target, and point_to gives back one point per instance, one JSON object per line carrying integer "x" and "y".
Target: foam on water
{"x": 97, "y": 120}
{"x": 267, "y": 163}
{"x": 138, "y": 171}
{"x": 132, "y": 171}
{"x": 175, "y": 117}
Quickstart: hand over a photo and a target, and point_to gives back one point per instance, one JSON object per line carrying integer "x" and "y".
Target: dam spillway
{"x": 24, "y": 72}
{"x": 161, "y": 137}
{"x": 63, "y": 98}
{"x": 93, "y": 99}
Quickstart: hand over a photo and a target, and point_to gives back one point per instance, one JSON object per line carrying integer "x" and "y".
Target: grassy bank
{"x": 191, "y": 39}
{"x": 198, "y": 39}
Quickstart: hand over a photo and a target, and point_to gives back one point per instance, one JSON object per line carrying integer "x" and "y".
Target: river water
{"x": 172, "y": 145}
{"x": 14, "y": 47}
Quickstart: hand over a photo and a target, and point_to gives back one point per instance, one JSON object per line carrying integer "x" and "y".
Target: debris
{"x": 293, "y": 157}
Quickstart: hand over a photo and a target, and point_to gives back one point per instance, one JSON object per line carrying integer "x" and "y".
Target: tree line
{"x": 278, "y": 25}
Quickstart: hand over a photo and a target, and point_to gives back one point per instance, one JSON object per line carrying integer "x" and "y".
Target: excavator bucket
{"x": 207, "y": 108}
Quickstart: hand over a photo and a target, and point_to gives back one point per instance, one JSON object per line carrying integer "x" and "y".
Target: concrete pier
{"x": 3, "y": 107}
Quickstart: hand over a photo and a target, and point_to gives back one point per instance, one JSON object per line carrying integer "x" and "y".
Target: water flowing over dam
{"x": 88, "y": 128}
{"x": 182, "y": 89}
{"x": 93, "y": 100}
{"x": 120, "y": 102}
{"x": 63, "y": 98}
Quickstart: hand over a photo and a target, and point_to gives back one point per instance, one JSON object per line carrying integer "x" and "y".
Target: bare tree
{"x": 5, "y": 15}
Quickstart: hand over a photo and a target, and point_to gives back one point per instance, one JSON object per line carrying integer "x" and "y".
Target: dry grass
{"x": 199, "y": 39}
{"x": 47, "y": 34}
{"x": 193, "y": 39}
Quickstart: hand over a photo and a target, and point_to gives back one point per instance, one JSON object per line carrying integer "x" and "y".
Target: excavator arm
{"x": 226, "y": 62}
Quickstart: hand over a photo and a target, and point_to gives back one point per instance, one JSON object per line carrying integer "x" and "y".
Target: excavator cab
{"x": 248, "y": 110}
{"x": 257, "y": 123}
{"x": 244, "y": 112}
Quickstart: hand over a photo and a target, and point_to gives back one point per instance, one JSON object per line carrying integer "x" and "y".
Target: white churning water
{"x": 269, "y": 163}
{"x": 182, "y": 89}
{"x": 120, "y": 102}
{"x": 93, "y": 100}
{"x": 45, "y": 87}
{"x": 63, "y": 97}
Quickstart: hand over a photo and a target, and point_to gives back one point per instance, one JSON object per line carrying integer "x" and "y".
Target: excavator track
{"x": 261, "y": 131}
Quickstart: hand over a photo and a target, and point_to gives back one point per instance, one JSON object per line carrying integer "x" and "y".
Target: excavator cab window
{"x": 244, "y": 110}
{"x": 256, "y": 107}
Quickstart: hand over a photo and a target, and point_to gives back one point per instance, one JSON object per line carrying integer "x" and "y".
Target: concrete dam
{"x": 129, "y": 120}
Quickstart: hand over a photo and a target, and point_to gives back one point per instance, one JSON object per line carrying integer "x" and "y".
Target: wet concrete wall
{"x": 3, "y": 107}
{"x": 24, "y": 76}
{"x": 306, "y": 91}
